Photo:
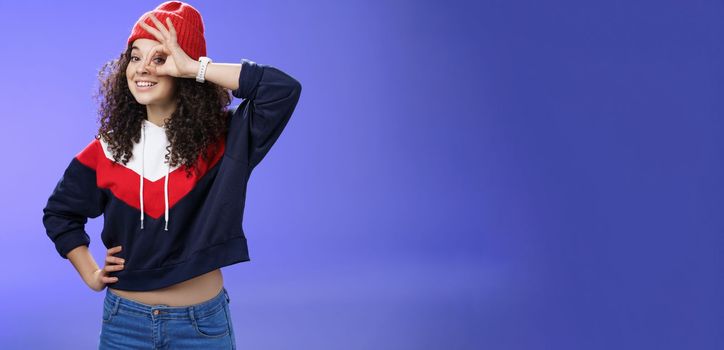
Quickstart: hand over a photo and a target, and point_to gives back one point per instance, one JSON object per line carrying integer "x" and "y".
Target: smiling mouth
{"x": 145, "y": 85}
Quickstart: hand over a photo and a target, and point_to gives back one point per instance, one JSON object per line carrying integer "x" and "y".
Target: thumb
{"x": 154, "y": 70}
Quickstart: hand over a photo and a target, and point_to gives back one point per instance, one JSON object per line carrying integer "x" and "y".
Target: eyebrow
{"x": 136, "y": 48}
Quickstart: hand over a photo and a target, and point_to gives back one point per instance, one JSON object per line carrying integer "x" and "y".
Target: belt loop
{"x": 228, "y": 299}
{"x": 116, "y": 304}
{"x": 191, "y": 313}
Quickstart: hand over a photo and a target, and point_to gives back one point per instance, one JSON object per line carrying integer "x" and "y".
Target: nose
{"x": 141, "y": 68}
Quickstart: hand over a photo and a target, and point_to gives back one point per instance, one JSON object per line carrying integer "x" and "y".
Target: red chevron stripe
{"x": 124, "y": 182}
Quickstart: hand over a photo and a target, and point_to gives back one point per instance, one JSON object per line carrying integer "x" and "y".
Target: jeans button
{"x": 155, "y": 312}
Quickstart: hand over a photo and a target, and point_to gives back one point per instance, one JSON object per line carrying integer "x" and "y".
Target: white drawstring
{"x": 167, "y": 216}
{"x": 143, "y": 149}
{"x": 165, "y": 192}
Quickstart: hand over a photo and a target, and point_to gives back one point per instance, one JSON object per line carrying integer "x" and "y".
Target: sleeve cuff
{"x": 249, "y": 78}
{"x": 71, "y": 240}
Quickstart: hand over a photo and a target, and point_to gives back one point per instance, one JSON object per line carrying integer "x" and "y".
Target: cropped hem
{"x": 226, "y": 253}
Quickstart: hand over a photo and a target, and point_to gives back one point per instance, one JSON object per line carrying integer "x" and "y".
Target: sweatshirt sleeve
{"x": 271, "y": 96}
{"x": 74, "y": 199}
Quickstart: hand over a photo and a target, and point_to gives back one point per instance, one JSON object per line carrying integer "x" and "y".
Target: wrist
{"x": 192, "y": 70}
{"x": 91, "y": 276}
{"x": 83, "y": 262}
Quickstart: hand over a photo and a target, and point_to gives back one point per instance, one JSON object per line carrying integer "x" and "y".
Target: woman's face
{"x": 162, "y": 87}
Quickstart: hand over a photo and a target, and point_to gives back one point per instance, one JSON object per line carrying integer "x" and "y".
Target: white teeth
{"x": 144, "y": 84}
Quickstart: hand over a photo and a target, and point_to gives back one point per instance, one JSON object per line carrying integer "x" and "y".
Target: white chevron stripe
{"x": 155, "y": 165}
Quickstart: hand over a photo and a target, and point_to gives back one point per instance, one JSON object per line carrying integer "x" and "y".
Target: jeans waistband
{"x": 116, "y": 302}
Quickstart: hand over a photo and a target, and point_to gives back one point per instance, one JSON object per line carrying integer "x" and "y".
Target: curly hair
{"x": 198, "y": 122}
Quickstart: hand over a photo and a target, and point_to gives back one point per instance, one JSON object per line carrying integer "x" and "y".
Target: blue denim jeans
{"x": 128, "y": 324}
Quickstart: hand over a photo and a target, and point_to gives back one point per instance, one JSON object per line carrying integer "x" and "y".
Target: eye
{"x": 157, "y": 59}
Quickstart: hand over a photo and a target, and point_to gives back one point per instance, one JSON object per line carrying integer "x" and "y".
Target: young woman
{"x": 168, "y": 147}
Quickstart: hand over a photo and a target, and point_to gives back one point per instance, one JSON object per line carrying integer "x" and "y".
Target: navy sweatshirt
{"x": 173, "y": 227}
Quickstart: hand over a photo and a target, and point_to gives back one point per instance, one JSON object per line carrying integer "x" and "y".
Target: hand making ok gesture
{"x": 177, "y": 62}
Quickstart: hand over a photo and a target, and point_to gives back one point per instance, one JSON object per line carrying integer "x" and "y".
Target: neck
{"x": 158, "y": 114}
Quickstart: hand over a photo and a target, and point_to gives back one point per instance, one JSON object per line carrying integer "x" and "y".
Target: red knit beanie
{"x": 187, "y": 22}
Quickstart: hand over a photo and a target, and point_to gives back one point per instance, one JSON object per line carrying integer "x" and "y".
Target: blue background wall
{"x": 457, "y": 175}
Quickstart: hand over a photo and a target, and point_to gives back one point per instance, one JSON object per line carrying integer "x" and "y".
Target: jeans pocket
{"x": 213, "y": 325}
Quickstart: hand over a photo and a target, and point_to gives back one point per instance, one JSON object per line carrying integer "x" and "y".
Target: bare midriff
{"x": 193, "y": 291}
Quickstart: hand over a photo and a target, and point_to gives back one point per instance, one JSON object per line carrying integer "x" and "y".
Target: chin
{"x": 146, "y": 100}
{"x": 143, "y": 101}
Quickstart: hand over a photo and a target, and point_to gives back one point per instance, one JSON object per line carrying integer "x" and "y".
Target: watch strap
{"x": 201, "y": 74}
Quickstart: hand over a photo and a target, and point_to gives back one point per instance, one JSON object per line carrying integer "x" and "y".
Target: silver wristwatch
{"x": 202, "y": 69}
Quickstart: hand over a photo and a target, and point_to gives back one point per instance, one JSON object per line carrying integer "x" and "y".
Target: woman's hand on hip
{"x": 112, "y": 263}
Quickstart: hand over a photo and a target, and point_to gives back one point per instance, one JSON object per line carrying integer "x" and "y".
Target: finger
{"x": 109, "y": 279}
{"x": 172, "y": 30}
{"x": 155, "y": 71}
{"x": 151, "y": 30}
{"x": 111, "y": 268}
{"x": 110, "y": 259}
{"x": 115, "y": 249}
{"x": 149, "y": 57}
{"x": 160, "y": 26}
{"x": 114, "y": 260}
{"x": 152, "y": 54}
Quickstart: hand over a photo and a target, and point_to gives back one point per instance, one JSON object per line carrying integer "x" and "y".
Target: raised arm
{"x": 271, "y": 96}
{"x": 223, "y": 74}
